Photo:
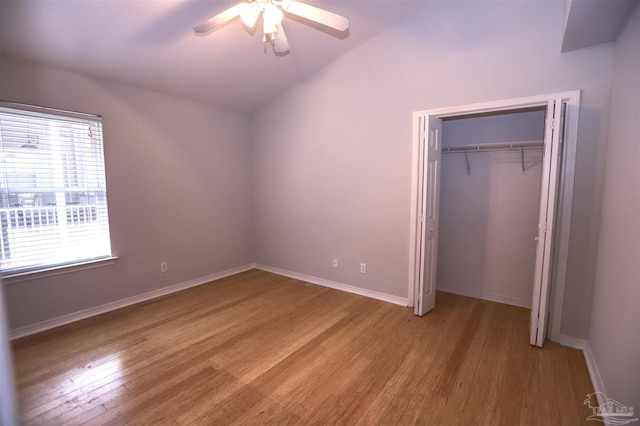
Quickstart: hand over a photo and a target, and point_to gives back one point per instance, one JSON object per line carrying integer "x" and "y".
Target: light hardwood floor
{"x": 259, "y": 348}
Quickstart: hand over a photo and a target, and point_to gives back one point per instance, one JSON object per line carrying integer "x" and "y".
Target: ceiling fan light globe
{"x": 271, "y": 17}
{"x": 269, "y": 29}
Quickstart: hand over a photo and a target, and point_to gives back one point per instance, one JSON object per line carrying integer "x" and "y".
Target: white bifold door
{"x": 552, "y": 162}
{"x": 430, "y": 155}
{"x": 428, "y": 188}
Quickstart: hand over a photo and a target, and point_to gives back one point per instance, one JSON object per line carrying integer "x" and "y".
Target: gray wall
{"x": 332, "y": 156}
{"x": 178, "y": 190}
{"x": 615, "y": 331}
{"x": 489, "y": 218}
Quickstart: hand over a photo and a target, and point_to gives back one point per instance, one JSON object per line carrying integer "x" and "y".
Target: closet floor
{"x": 259, "y": 348}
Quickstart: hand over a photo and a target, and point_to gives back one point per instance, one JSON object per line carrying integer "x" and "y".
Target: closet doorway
{"x": 548, "y": 156}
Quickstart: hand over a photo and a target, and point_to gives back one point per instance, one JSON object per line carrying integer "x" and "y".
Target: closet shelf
{"x": 502, "y": 146}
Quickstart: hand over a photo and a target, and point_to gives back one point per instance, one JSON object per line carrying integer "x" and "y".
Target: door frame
{"x": 563, "y": 207}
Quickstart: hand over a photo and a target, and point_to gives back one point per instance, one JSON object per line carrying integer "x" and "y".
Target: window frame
{"x": 71, "y": 264}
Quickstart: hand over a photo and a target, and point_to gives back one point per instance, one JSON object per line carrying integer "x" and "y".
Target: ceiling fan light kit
{"x": 271, "y": 17}
{"x": 272, "y": 13}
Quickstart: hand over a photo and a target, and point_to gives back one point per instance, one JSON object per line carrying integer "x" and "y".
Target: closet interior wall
{"x": 489, "y": 207}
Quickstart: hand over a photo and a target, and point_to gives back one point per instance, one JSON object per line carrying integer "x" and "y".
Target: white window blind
{"x": 53, "y": 206}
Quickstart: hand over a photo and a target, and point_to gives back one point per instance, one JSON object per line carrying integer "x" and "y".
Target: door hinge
{"x": 419, "y": 296}
{"x": 552, "y": 122}
{"x": 544, "y": 227}
{"x": 421, "y": 218}
{"x": 536, "y": 323}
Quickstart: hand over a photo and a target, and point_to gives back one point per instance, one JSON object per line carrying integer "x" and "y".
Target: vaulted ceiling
{"x": 150, "y": 44}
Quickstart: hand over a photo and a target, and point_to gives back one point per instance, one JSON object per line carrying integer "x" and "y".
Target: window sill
{"x": 16, "y": 277}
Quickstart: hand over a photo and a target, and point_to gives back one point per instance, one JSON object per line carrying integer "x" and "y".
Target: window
{"x": 53, "y": 198}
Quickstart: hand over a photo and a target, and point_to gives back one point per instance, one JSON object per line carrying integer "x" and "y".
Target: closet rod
{"x": 502, "y": 146}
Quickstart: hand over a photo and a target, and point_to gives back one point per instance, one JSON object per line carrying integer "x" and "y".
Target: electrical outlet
{"x": 336, "y": 263}
{"x": 164, "y": 267}
{"x": 363, "y": 268}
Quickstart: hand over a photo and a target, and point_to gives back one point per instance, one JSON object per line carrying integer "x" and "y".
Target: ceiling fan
{"x": 272, "y": 13}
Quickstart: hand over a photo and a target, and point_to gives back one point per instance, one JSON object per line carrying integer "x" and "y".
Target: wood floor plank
{"x": 259, "y": 348}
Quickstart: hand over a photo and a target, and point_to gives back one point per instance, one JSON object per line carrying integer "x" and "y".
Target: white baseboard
{"x": 402, "y": 301}
{"x": 107, "y": 307}
{"x": 594, "y": 373}
{"x": 485, "y": 296}
{"x": 592, "y": 367}
{"x": 573, "y": 342}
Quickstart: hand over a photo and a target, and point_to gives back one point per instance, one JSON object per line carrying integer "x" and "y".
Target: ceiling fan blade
{"x": 220, "y": 19}
{"x": 280, "y": 42}
{"x": 250, "y": 14}
{"x": 321, "y": 16}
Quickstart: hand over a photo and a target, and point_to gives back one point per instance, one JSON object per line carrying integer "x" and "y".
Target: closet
{"x": 505, "y": 170}
{"x": 490, "y": 178}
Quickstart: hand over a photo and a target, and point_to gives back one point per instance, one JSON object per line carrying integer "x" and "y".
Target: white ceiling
{"x": 150, "y": 44}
